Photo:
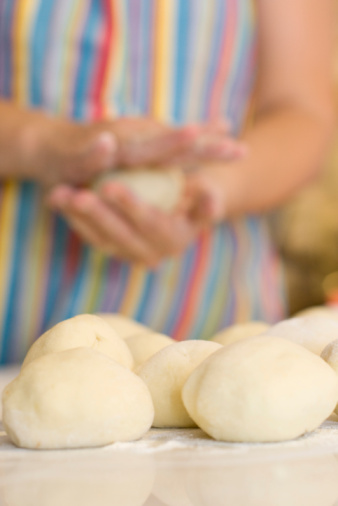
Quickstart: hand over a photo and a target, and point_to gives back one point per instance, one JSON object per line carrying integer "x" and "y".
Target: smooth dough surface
{"x": 145, "y": 345}
{"x": 165, "y": 374}
{"x": 314, "y": 332}
{"x": 160, "y": 189}
{"x": 74, "y": 399}
{"x": 261, "y": 389}
{"x": 83, "y": 330}
{"x": 123, "y": 326}
{"x": 239, "y": 331}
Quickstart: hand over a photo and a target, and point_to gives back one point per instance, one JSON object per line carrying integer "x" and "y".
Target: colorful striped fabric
{"x": 179, "y": 61}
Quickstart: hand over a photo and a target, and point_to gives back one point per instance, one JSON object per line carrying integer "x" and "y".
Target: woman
{"x": 162, "y": 65}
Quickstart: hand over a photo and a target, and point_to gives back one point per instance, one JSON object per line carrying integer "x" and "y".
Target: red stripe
{"x": 72, "y": 257}
{"x": 226, "y": 54}
{"x": 104, "y": 54}
{"x": 190, "y": 306}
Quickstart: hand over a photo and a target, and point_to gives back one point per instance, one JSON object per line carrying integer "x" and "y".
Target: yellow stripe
{"x": 70, "y": 56}
{"x": 95, "y": 280}
{"x": 163, "y": 59}
{"x": 134, "y": 289}
{"x": 7, "y": 220}
{"x": 22, "y": 26}
{"x": 38, "y": 260}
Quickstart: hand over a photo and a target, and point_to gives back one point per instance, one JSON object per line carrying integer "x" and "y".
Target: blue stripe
{"x": 39, "y": 45}
{"x": 145, "y": 74}
{"x": 22, "y": 231}
{"x": 208, "y": 290}
{"x": 145, "y": 297}
{"x": 87, "y": 59}
{"x": 60, "y": 233}
{"x": 6, "y": 47}
{"x": 181, "y": 62}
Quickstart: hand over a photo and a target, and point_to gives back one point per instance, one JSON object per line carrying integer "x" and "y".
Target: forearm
{"x": 287, "y": 148}
{"x": 18, "y": 136}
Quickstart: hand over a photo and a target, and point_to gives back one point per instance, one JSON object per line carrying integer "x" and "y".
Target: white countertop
{"x": 174, "y": 468}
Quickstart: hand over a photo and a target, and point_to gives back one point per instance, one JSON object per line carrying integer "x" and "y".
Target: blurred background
{"x": 306, "y": 232}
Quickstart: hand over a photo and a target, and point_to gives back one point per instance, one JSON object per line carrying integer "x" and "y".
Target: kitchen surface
{"x": 180, "y": 467}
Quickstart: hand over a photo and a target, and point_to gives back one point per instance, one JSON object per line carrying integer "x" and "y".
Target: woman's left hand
{"x": 119, "y": 224}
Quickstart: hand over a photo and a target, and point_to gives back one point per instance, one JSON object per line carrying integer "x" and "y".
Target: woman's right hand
{"x": 61, "y": 151}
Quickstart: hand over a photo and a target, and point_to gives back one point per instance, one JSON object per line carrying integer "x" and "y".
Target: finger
{"x": 158, "y": 149}
{"x": 58, "y": 197}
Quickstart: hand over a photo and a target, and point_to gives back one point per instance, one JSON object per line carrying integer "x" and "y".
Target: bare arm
{"x": 294, "y": 119}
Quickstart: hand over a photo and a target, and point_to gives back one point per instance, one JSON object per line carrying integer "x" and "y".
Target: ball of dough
{"x": 314, "y": 333}
{"x": 74, "y": 399}
{"x": 165, "y": 374}
{"x": 239, "y": 331}
{"x": 260, "y": 389}
{"x": 145, "y": 345}
{"x": 123, "y": 326}
{"x": 330, "y": 355}
{"x": 320, "y": 311}
{"x": 83, "y": 330}
{"x": 160, "y": 189}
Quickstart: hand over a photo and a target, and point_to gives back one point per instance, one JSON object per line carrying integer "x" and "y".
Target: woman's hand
{"x": 119, "y": 224}
{"x": 53, "y": 150}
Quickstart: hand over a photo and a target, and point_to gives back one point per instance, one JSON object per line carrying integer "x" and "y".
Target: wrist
{"x": 34, "y": 129}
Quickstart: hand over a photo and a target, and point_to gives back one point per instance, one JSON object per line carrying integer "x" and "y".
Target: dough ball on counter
{"x": 75, "y": 399}
{"x": 239, "y": 331}
{"x": 330, "y": 355}
{"x": 165, "y": 374}
{"x": 83, "y": 330}
{"x": 319, "y": 311}
{"x": 261, "y": 389}
{"x": 123, "y": 326}
{"x": 312, "y": 332}
{"x": 145, "y": 345}
{"x": 160, "y": 189}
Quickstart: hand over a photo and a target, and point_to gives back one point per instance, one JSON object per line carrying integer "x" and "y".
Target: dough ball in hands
{"x": 239, "y": 331}
{"x": 160, "y": 189}
{"x": 165, "y": 374}
{"x": 123, "y": 326}
{"x": 74, "y": 399}
{"x": 261, "y": 389}
{"x": 312, "y": 332}
{"x": 83, "y": 330}
{"x": 145, "y": 345}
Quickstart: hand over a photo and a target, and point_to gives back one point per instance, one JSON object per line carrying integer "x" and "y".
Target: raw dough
{"x": 82, "y": 330}
{"x": 239, "y": 331}
{"x": 123, "y": 326}
{"x": 74, "y": 399}
{"x": 160, "y": 189}
{"x": 165, "y": 374}
{"x": 324, "y": 311}
{"x": 145, "y": 345}
{"x": 261, "y": 389}
{"x": 312, "y": 332}
{"x": 330, "y": 355}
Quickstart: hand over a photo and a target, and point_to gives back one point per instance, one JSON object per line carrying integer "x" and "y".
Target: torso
{"x": 176, "y": 60}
